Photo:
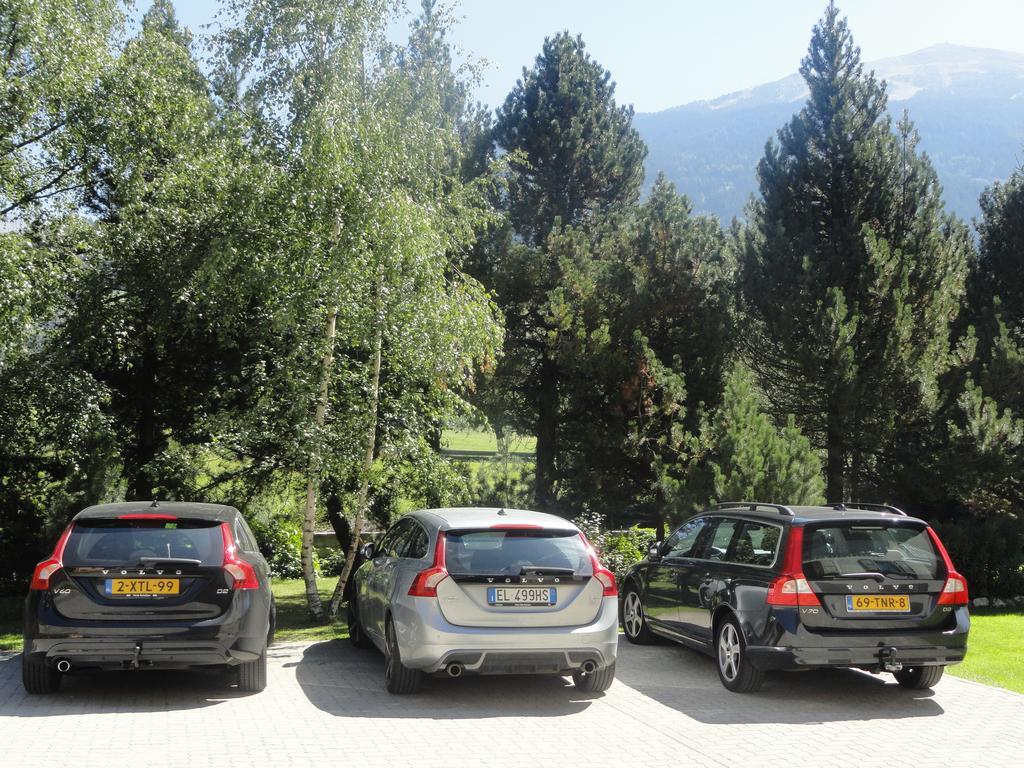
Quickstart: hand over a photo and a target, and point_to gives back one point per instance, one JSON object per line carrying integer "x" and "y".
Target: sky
{"x": 663, "y": 54}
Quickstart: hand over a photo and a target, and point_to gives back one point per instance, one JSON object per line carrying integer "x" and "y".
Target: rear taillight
{"x": 602, "y": 574}
{"x": 954, "y": 591}
{"x": 787, "y": 590}
{"x": 45, "y": 570}
{"x": 790, "y": 588}
{"x": 241, "y": 571}
{"x": 425, "y": 583}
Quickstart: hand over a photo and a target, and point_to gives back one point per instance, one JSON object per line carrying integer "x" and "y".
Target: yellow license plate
{"x": 878, "y": 603}
{"x": 143, "y": 586}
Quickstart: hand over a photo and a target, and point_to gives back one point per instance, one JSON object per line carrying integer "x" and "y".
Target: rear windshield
{"x": 897, "y": 552}
{"x": 505, "y": 553}
{"x": 126, "y": 542}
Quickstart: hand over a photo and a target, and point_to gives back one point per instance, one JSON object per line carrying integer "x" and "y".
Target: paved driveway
{"x": 325, "y": 706}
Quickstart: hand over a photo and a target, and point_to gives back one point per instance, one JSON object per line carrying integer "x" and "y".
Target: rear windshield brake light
{"x": 146, "y": 516}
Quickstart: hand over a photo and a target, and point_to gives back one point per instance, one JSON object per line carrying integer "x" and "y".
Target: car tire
{"x": 734, "y": 668}
{"x": 634, "y": 622}
{"x": 398, "y": 678}
{"x": 356, "y": 635}
{"x": 273, "y": 624}
{"x": 252, "y": 675}
{"x": 595, "y": 682}
{"x": 918, "y": 678}
{"x": 38, "y": 677}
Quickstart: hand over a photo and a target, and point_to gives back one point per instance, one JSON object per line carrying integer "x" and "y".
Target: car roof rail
{"x": 782, "y": 509}
{"x": 870, "y": 506}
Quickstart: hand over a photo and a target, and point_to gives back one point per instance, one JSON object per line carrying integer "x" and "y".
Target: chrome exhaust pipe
{"x": 63, "y": 665}
{"x": 454, "y": 669}
{"x": 589, "y": 667}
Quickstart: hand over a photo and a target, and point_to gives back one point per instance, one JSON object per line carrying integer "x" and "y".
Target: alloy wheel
{"x": 729, "y": 651}
{"x": 632, "y": 614}
{"x": 389, "y": 653}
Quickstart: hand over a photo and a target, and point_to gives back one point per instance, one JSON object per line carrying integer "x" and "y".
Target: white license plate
{"x": 521, "y": 596}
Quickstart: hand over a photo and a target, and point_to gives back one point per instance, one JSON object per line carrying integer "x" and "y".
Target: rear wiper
{"x": 543, "y": 570}
{"x": 862, "y": 575}
{"x": 172, "y": 560}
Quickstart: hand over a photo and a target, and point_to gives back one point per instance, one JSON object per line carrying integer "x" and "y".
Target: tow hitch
{"x": 889, "y": 662}
{"x": 135, "y": 656}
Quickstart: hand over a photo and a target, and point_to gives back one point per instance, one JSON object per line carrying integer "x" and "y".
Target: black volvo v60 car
{"x": 769, "y": 587}
{"x": 162, "y": 585}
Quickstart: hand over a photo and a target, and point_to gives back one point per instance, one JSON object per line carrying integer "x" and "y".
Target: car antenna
{"x": 502, "y": 511}
{"x": 155, "y": 504}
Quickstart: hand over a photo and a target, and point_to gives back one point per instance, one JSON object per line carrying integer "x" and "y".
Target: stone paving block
{"x": 325, "y": 705}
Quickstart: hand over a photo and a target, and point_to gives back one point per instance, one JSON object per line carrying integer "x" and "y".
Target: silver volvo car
{"x": 486, "y": 591}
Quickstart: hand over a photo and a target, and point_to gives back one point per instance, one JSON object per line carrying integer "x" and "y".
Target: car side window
{"x": 681, "y": 543}
{"x": 388, "y": 540}
{"x": 243, "y": 538}
{"x": 721, "y": 539}
{"x": 394, "y": 541}
{"x": 755, "y": 544}
{"x": 416, "y": 542}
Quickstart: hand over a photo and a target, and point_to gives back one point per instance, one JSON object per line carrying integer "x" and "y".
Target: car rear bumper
{"x": 782, "y": 658}
{"x": 869, "y": 650}
{"x": 427, "y": 641}
{"x": 141, "y": 654}
{"x": 237, "y": 636}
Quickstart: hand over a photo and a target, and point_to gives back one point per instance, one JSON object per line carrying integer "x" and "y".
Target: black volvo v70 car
{"x": 767, "y": 587}
{"x": 162, "y": 585}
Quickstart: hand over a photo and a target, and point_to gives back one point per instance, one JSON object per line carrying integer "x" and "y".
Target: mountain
{"x": 967, "y": 104}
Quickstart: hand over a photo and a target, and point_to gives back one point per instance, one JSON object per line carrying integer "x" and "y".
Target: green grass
{"x": 484, "y": 440}
{"x": 10, "y": 622}
{"x": 293, "y": 620}
{"x": 994, "y": 651}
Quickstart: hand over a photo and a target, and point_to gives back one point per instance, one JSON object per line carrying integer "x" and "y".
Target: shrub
{"x": 618, "y": 550}
{"x": 333, "y": 563}
{"x": 621, "y": 549}
{"x": 280, "y": 541}
{"x": 989, "y": 552}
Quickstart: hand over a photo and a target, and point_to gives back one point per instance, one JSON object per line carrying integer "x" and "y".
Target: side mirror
{"x": 367, "y": 550}
{"x": 654, "y": 551}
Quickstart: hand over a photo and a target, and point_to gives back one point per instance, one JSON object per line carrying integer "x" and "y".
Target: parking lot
{"x": 325, "y": 706}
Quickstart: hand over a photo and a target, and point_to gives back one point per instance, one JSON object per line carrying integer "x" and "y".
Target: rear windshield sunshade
{"x": 849, "y": 549}
{"x": 511, "y": 552}
{"x": 124, "y": 543}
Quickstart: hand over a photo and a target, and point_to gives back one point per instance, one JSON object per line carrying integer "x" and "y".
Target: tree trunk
{"x": 371, "y": 445}
{"x": 547, "y": 435}
{"x": 147, "y": 431}
{"x": 313, "y": 478}
{"x": 835, "y": 444}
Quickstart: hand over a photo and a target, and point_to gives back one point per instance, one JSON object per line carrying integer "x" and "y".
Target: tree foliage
{"x": 573, "y": 156}
{"x": 852, "y": 275}
{"x": 750, "y": 458}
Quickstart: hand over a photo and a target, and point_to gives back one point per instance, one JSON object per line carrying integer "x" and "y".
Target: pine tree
{"x": 751, "y": 459}
{"x": 996, "y": 291}
{"x": 573, "y": 155}
{"x": 852, "y": 275}
{"x": 645, "y": 325}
